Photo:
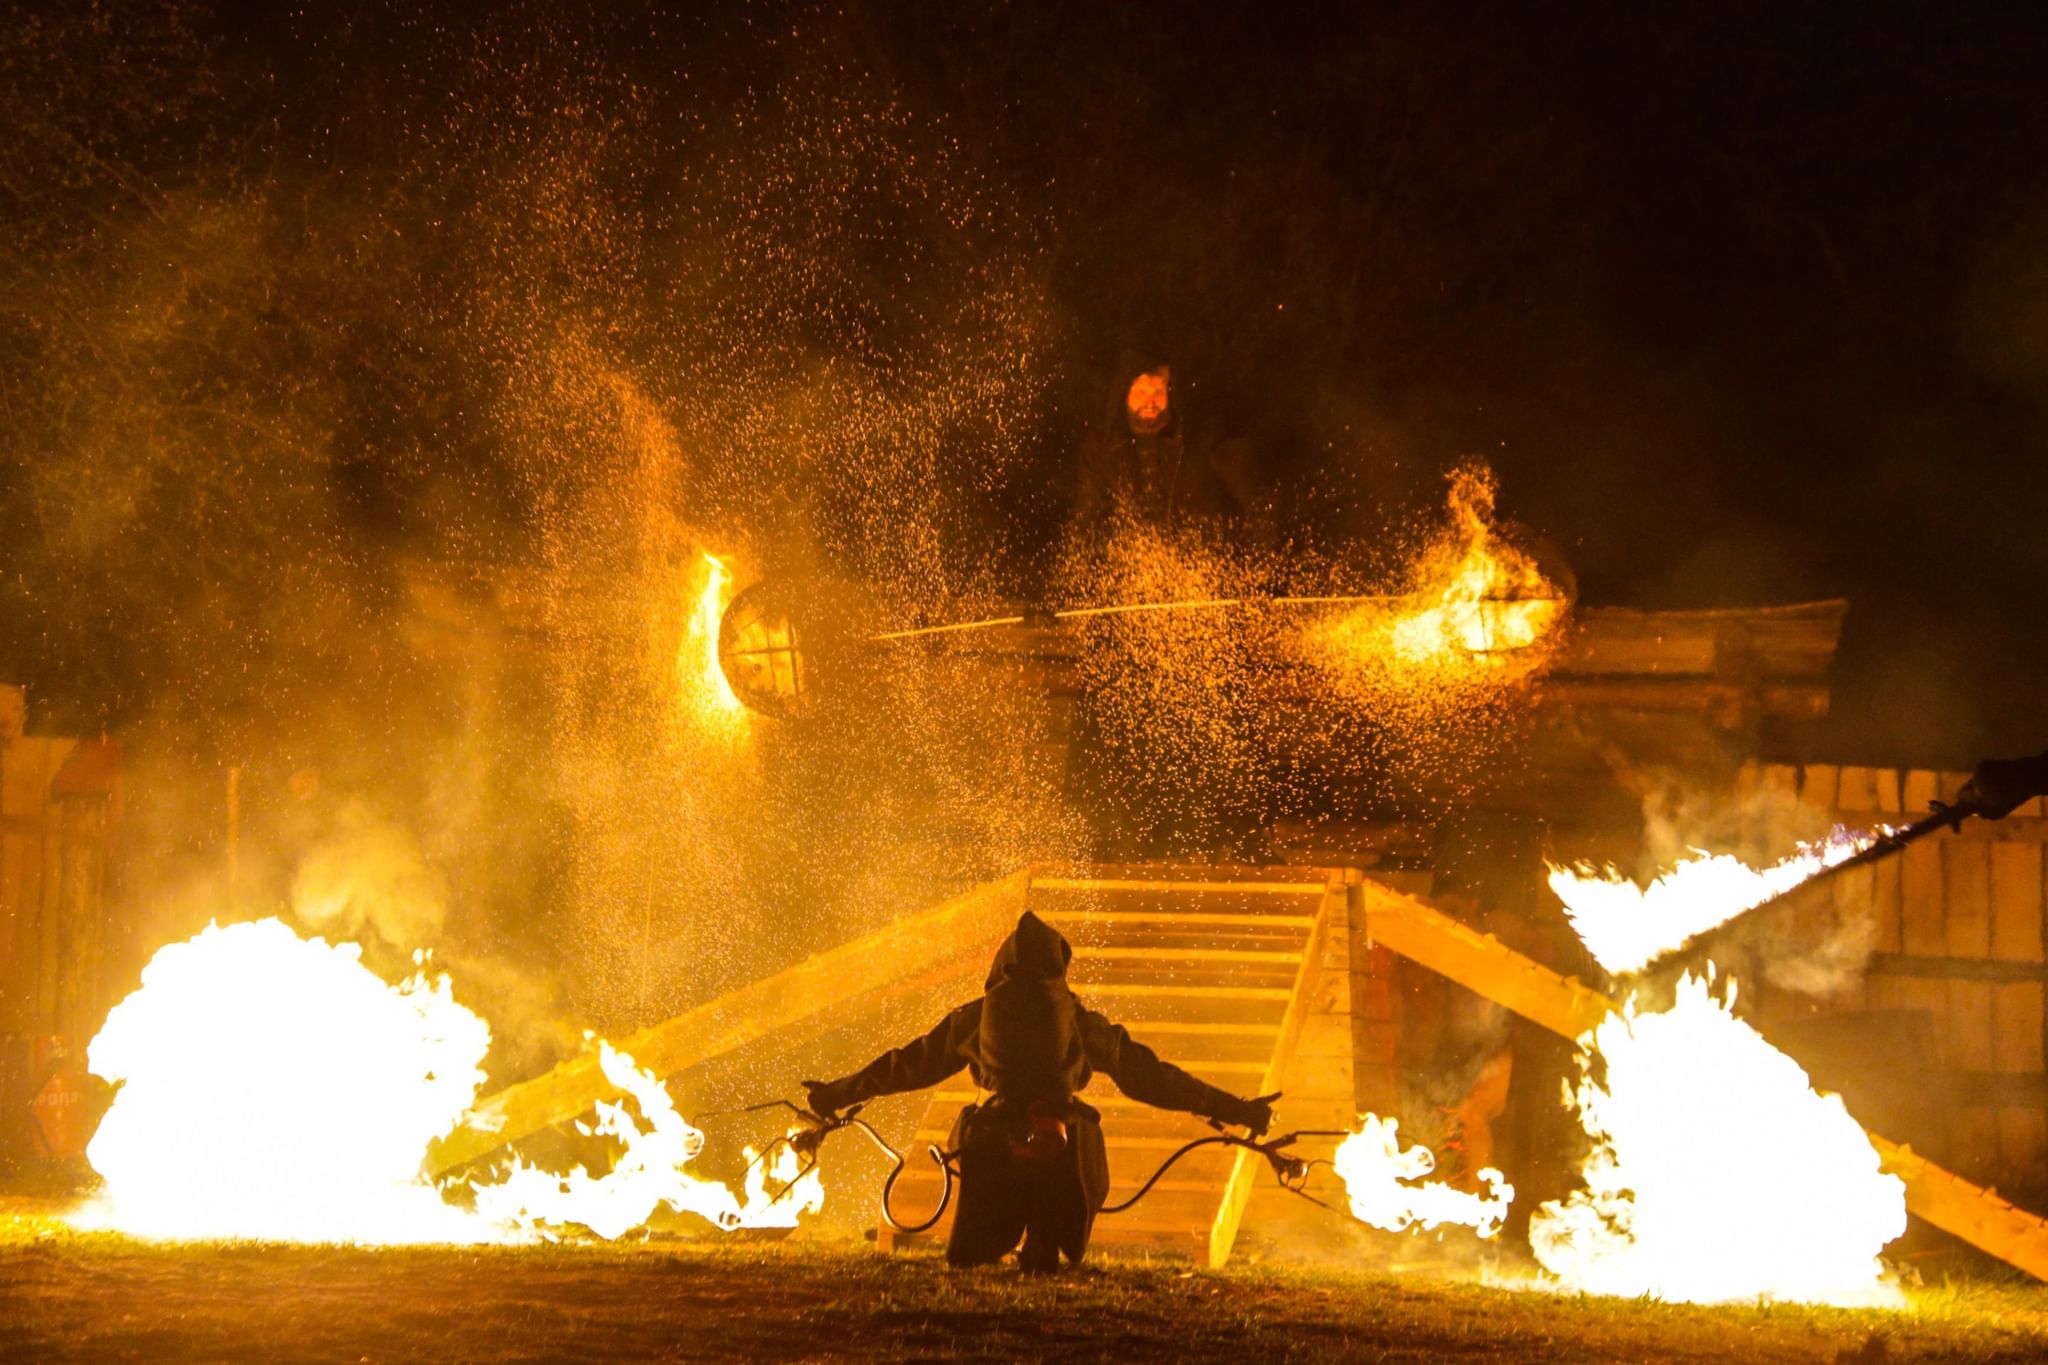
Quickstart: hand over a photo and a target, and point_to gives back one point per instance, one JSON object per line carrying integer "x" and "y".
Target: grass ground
{"x": 71, "y": 1296}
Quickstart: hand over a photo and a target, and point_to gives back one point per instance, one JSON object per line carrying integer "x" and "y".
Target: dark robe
{"x": 1032, "y": 1045}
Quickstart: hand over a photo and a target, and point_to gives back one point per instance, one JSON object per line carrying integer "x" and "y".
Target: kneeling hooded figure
{"x": 1031, "y": 1158}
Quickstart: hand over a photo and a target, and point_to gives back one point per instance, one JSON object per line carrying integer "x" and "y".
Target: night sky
{"x": 1745, "y": 303}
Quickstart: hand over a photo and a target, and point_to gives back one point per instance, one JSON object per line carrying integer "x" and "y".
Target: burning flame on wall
{"x": 1717, "y": 1173}
{"x": 1475, "y": 594}
{"x": 1379, "y": 1176}
{"x": 272, "y": 1087}
{"x": 1477, "y": 610}
{"x": 701, "y": 677}
{"x": 1627, "y": 927}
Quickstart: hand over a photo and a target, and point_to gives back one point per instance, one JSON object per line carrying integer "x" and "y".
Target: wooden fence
{"x": 59, "y": 801}
{"x": 1956, "y": 925}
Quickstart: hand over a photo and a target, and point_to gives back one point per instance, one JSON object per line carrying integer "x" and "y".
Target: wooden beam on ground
{"x": 1479, "y": 962}
{"x": 1483, "y": 964}
{"x": 830, "y": 981}
{"x": 1237, "y": 1190}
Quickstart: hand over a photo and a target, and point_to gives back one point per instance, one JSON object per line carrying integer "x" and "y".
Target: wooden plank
{"x": 2016, "y": 1027}
{"x": 1973, "y": 1137}
{"x": 1188, "y": 955}
{"x": 1887, "y": 906}
{"x": 1237, "y": 1191}
{"x": 20, "y": 918}
{"x": 1923, "y": 930}
{"x": 2016, "y": 901}
{"x": 1120, "y": 917}
{"x": 1958, "y": 968}
{"x": 1274, "y": 993}
{"x": 1177, "y": 888}
{"x": 1814, "y": 914}
{"x": 1868, "y": 891}
{"x": 1818, "y": 785}
{"x": 33, "y": 763}
{"x": 1248, "y": 1030}
{"x": 1966, "y": 878}
{"x": 1966, "y": 901}
{"x": 2022, "y": 1142}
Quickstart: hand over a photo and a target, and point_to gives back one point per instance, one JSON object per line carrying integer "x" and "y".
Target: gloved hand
{"x": 2000, "y": 785}
{"x": 1257, "y": 1115}
{"x": 823, "y": 1099}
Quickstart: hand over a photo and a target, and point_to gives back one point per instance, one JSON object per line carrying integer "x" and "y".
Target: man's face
{"x": 1145, "y": 403}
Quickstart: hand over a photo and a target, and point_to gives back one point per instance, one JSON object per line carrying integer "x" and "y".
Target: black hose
{"x": 1291, "y": 1172}
{"x": 945, "y": 1195}
{"x": 1220, "y": 1139}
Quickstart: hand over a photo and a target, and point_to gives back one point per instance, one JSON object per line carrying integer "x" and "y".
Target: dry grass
{"x": 64, "y": 1295}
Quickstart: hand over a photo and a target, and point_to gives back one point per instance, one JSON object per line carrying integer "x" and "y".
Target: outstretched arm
{"x": 913, "y": 1066}
{"x": 2000, "y": 786}
{"x": 1148, "y": 1078}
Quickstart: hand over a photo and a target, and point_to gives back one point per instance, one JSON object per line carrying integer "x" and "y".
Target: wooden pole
{"x": 234, "y": 839}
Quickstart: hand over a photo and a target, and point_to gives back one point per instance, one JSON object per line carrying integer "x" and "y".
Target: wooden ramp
{"x": 1215, "y": 969}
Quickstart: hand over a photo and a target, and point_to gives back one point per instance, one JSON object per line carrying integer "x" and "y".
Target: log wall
{"x": 1956, "y": 924}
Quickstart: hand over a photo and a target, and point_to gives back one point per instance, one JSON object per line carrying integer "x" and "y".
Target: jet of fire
{"x": 1627, "y": 927}
{"x": 647, "y": 1174}
{"x": 1379, "y": 1179}
{"x": 1717, "y": 1173}
{"x": 272, "y": 1087}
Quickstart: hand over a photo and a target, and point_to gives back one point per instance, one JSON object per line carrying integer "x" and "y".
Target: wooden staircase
{"x": 1211, "y": 967}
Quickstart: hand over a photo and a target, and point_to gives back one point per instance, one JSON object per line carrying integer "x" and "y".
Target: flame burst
{"x": 1717, "y": 1173}
{"x": 1627, "y": 927}
{"x": 1477, "y": 617}
{"x": 648, "y": 1174}
{"x": 705, "y": 689}
{"x": 1378, "y": 1175}
{"x": 272, "y": 1087}
{"x": 1489, "y": 597}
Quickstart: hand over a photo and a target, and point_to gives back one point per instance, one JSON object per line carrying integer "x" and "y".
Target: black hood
{"x": 1034, "y": 951}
